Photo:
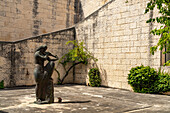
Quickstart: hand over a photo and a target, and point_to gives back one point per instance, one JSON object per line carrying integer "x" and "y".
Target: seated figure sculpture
{"x": 44, "y": 83}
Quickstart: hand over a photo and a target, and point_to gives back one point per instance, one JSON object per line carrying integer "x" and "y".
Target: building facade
{"x": 21, "y": 19}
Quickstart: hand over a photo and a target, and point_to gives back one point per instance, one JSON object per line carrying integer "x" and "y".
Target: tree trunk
{"x": 67, "y": 72}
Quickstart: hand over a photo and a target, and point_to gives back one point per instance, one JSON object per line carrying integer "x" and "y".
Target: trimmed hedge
{"x": 2, "y": 84}
{"x": 94, "y": 77}
{"x": 148, "y": 80}
{"x": 163, "y": 84}
{"x": 143, "y": 79}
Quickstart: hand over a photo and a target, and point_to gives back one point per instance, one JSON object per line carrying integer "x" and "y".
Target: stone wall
{"x": 5, "y": 61}
{"x": 90, "y": 6}
{"x": 17, "y": 58}
{"x": 118, "y": 35}
{"x": 22, "y": 19}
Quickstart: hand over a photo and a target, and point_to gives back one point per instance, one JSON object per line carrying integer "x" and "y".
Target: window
{"x": 165, "y": 57}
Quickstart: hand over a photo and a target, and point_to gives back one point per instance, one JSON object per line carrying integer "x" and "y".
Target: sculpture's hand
{"x": 56, "y": 57}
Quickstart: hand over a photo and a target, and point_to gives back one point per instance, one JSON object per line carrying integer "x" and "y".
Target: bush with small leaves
{"x": 94, "y": 77}
{"x": 143, "y": 79}
{"x": 163, "y": 84}
{"x": 2, "y": 84}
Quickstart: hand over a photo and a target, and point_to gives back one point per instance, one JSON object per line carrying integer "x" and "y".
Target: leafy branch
{"x": 78, "y": 55}
{"x": 164, "y": 9}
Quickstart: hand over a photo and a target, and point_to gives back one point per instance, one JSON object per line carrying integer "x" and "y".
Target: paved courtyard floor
{"x": 83, "y": 99}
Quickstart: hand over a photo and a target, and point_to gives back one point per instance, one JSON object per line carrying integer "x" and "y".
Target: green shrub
{"x": 2, "y": 84}
{"x": 163, "y": 84}
{"x": 143, "y": 79}
{"x": 94, "y": 77}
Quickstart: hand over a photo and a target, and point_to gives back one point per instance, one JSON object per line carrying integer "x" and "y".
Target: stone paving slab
{"x": 84, "y": 99}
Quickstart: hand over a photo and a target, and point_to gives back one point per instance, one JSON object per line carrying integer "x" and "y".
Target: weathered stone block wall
{"x": 17, "y": 58}
{"x": 90, "y": 6}
{"x": 20, "y": 19}
{"x": 118, "y": 35}
{"x": 5, "y": 61}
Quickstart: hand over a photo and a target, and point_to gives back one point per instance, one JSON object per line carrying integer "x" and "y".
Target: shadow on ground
{"x": 83, "y": 99}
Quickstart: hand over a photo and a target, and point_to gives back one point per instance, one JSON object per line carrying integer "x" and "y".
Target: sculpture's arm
{"x": 49, "y": 59}
{"x": 55, "y": 56}
{"x": 41, "y": 56}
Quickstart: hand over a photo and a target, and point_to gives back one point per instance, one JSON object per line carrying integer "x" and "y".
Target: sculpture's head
{"x": 42, "y": 48}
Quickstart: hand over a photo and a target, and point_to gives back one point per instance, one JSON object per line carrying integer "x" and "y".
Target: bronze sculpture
{"x": 44, "y": 82}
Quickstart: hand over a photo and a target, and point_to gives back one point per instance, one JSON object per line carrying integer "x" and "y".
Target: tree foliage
{"x": 163, "y": 7}
{"x": 78, "y": 55}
